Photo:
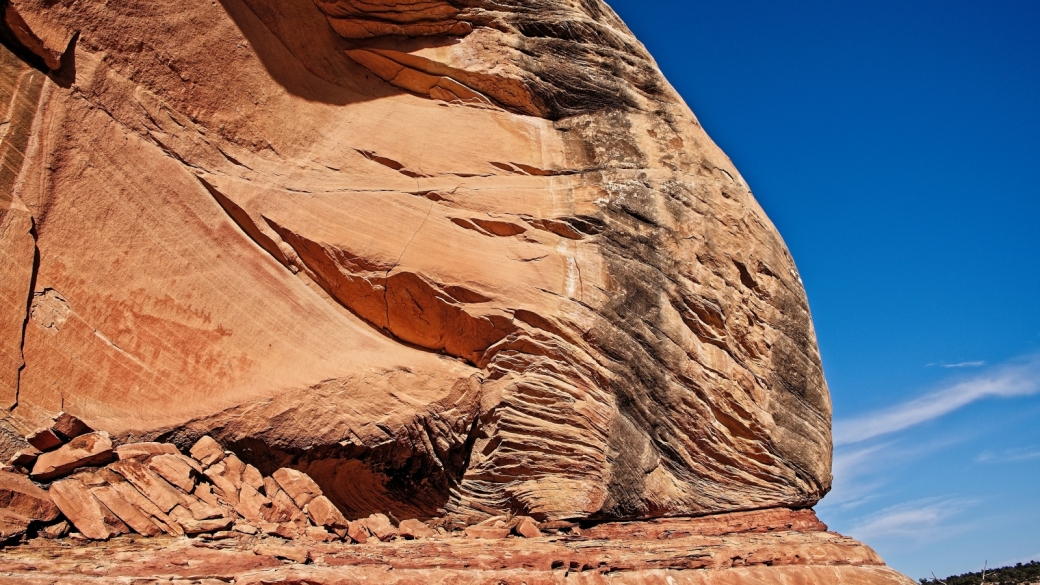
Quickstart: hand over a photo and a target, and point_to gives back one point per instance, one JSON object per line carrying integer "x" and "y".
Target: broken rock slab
{"x": 144, "y": 451}
{"x": 69, "y": 427}
{"x": 300, "y": 487}
{"x": 177, "y": 469}
{"x": 91, "y": 449}
{"x": 86, "y": 512}
{"x": 412, "y": 529}
{"x": 20, "y": 496}
{"x": 207, "y": 451}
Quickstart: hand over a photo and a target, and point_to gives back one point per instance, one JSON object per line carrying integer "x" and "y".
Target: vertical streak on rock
{"x": 20, "y": 90}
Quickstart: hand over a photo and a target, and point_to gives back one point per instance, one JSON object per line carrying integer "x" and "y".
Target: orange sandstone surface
{"x": 456, "y": 263}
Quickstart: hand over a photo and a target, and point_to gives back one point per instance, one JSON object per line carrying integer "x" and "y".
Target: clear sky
{"x": 896, "y": 145}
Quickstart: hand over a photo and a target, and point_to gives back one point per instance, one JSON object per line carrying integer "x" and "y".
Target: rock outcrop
{"x": 299, "y": 264}
{"x": 773, "y": 547}
{"x": 492, "y": 265}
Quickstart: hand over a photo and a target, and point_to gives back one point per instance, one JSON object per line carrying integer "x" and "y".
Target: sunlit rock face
{"x": 448, "y": 258}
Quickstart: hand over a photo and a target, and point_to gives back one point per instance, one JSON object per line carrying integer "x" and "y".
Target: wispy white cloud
{"x": 976, "y": 364}
{"x": 965, "y": 365}
{"x": 1009, "y": 455}
{"x": 918, "y": 519}
{"x": 1020, "y": 378}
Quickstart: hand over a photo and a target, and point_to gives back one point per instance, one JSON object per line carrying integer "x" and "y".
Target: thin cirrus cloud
{"x": 917, "y": 519}
{"x": 1020, "y": 378}
{"x": 965, "y": 365}
{"x": 977, "y": 364}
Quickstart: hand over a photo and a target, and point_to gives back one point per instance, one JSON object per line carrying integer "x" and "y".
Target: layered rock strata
{"x": 777, "y": 546}
{"x": 448, "y": 258}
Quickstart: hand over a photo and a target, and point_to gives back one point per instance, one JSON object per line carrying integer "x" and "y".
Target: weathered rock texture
{"x": 776, "y": 547}
{"x": 449, "y": 258}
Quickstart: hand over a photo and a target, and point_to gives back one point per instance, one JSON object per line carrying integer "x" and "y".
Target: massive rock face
{"x": 449, "y": 258}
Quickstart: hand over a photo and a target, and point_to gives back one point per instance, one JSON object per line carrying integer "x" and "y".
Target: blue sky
{"x": 896, "y": 145}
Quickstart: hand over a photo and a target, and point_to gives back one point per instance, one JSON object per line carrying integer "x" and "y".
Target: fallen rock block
{"x": 56, "y": 530}
{"x": 127, "y": 512}
{"x": 324, "y": 513}
{"x": 358, "y": 532}
{"x": 412, "y": 529}
{"x": 69, "y": 427}
{"x": 44, "y": 440}
{"x": 84, "y": 511}
{"x": 25, "y": 458}
{"x": 130, "y": 494}
{"x": 289, "y": 553}
{"x": 207, "y": 451}
{"x": 320, "y": 534}
{"x": 191, "y": 526}
{"x": 177, "y": 469}
{"x": 12, "y": 525}
{"x": 245, "y": 528}
{"x": 252, "y": 477}
{"x": 252, "y": 505}
{"x": 20, "y": 496}
{"x": 300, "y": 487}
{"x": 144, "y": 451}
{"x": 283, "y": 509}
{"x": 527, "y": 528}
{"x": 380, "y": 527}
{"x": 91, "y": 449}
{"x": 226, "y": 482}
{"x": 151, "y": 486}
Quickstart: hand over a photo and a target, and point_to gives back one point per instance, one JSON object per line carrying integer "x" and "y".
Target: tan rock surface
{"x": 92, "y": 449}
{"x": 637, "y": 553}
{"x": 85, "y": 511}
{"x": 20, "y": 496}
{"x": 448, "y": 259}
{"x": 443, "y": 261}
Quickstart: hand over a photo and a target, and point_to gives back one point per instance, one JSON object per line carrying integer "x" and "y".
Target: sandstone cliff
{"x": 449, "y": 258}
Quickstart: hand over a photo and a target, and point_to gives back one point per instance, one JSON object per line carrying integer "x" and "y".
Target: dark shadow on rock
{"x": 301, "y": 52}
{"x": 65, "y": 75}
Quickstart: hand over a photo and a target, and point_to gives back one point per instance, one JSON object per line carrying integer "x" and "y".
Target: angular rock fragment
{"x": 380, "y": 527}
{"x": 202, "y": 510}
{"x": 151, "y": 486}
{"x": 251, "y": 476}
{"x": 69, "y": 427}
{"x": 130, "y": 495}
{"x": 527, "y": 528}
{"x": 125, "y": 511}
{"x": 86, "y": 450}
{"x": 234, "y": 469}
{"x": 177, "y": 469}
{"x": 358, "y": 531}
{"x": 84, "y": 511}
{"x": 300, "y": 487}
{"x": 207, "y": 451}
{"x": 284, "y": 510}
{"x": 320, "y": 534}
{"x": 412, "y": 529}
{"x": 252, "y": 505}
{"x": 56, "y": 530}
{"x": 245, "y": 528}
{"x": 144, "y": 451}
{"x": 12, "y": 525}
{"x": 20, "y": 496}
{"x": 193, "y": 526}
{"x": 44, "y": 440}
{"x": 25, "y": 458}
{"x": 324, "y": 513}
{"x": 291, "y": 553}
